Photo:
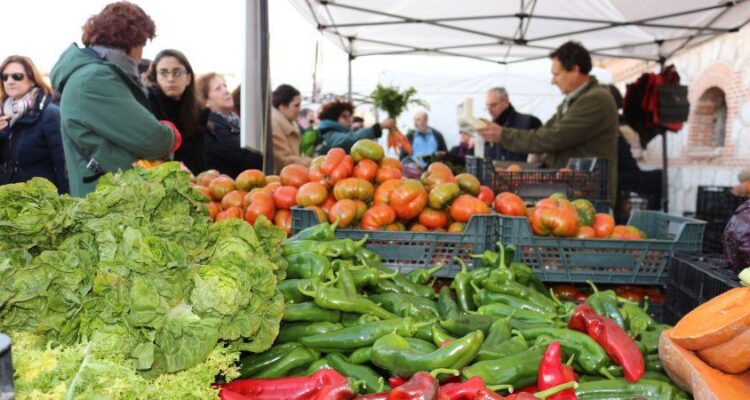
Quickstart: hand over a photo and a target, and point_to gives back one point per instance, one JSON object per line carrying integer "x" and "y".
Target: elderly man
{"x": 585, "y": 124}
{"x": 424, "y": 139}
{"x": 504, "y": 114}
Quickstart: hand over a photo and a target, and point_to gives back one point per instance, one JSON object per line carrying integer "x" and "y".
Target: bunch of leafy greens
{"x": 393, "y": 101}
{"x": 138, "y": 268}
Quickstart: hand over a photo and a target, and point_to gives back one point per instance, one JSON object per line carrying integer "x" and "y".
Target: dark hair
{"x": 616, "y": 95}
{"x": 573, "y": 53}
{"x": 237, "y": 97}
{"x": 334, "y": 109}
{"x": 122, "y": 25}
{"x": 190, "y": 109}
{"x": 144, "y": 65}
{"x": 358, "y": 119}
{"x": 284, "y": 94}
{"x": 31, "y": 71}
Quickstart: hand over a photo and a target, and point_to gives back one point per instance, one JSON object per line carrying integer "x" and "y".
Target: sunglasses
{"x": 17, "y": 76}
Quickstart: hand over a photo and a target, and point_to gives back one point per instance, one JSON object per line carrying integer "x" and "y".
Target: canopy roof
{"x": 514, "y": 31}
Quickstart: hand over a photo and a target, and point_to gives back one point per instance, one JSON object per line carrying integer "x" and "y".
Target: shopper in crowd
{"x": 424, "y": 139}
{"x": 286, "y": 102}
{"x": 105, "y": 119}
{"x": 357, "y": 123}
{"x": 172, "y": 97}
{"x": 143, "y": 67}
{"x": 504, "y": 114}
{"x": 585, "y": 124}
{"x": 306, "y": 119}
{"x": 222, "y": 146}
{"x": 335, "y": 126}
{"x": 464, "y": 148}
{"x": 237, "y": 97}
{"x": 30, "y": 141}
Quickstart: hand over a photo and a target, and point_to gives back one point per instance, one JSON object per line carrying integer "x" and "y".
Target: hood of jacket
{"x": 327, "y": 125}
{"x": 72, "y": 59}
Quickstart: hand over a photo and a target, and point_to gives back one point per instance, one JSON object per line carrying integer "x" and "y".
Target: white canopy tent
{"x": 508, "y": 32}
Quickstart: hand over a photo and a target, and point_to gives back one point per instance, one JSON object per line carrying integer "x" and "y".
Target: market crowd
{"x": 108, "y": 107}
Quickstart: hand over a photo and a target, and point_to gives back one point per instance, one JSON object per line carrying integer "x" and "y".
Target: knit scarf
{"x": 119, "y": 58}
{"x": 17, "y": 108}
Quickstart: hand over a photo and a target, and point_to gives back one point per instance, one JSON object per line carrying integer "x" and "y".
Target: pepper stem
{"x": 302, "y": 288}
{"x": 444, "y": 371}
{"x": 554, "y": 297}
{"x": 555, "y": 390}
{"x": 593, "y": 287}
{"x": 335, "y": 224}
{"x": 435, "y": 269}
{"x": 570, "y": 360}
{"x": 501, "y": 259}
{"x": 495, "y": 388}
{"x": 464, "y": 268}
{"x": 361, "y": 242}
{"x": 606, "y": 374}
{"x": 388, "y": 275}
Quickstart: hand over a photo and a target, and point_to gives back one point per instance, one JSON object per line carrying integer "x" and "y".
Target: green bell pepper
{"x": 354, "y": 319}
{"x": 361, "y": 355}
{"x": 342, "y": 248}
{"x": 289, "y": 288}
{"x": 313, "y": 368}
{"x": 291, "y": 247}
{"x": 620, "y": 389}
{"x": 514, "y": 345}
{"x": 462, "y": 324}
{"x": 440, "y": 335}
{"x": 369, "y": 276}
{"x": 296, "y": 330}
{"x": 337, "y": 299}
{"x": 650, "y": 338}
{"x": 446, "y": 306}
{"x": 373, "y": 383}
{"x": 321, "y": 232}
{"x": 405, "y": 305}
{"x": 350, "y": 339}
{"x": 345, "y": 280}
{"x": 589, "y": 354}
{"x": 484, "y": 297}
{"x": 518, "y": 370}
{"x": 461, "y": 284}
{"x": 393, "y": 353}
{"x": 423, "y": 276}
{"x": 298, "y": 358}
{"x": 503, "y": 311}
{"x": 605, "y": 304}
{"x": 256, "y": 363}
{"x": 309, "y": 311}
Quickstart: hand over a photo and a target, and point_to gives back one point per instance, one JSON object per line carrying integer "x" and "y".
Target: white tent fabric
{"x": 515, "y": 31}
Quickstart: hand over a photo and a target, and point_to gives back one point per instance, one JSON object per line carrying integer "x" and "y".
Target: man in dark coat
{"x": 504, "y": 114}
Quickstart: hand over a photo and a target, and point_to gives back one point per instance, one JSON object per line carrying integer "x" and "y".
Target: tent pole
{"x": 349, "y": 81}
{"x": 664, "y": 160}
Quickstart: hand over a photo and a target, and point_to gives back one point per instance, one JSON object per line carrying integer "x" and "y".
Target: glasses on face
{"x": 175, "y": 73}
{"x": 17, "y": 76}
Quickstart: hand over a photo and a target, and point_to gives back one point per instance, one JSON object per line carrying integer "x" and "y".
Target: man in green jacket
{"x": 585, "y": 124}
{"x": 105, "y": 121}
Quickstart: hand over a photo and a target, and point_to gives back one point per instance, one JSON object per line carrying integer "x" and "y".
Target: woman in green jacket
{"x": 105, "y": 119}
{"x": 334, "y": 127}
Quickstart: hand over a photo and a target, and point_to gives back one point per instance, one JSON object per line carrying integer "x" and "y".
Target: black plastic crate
{"x": 588, "y": 178}
{"x": 715, "y": 205}
{"x": 693, "y": 280}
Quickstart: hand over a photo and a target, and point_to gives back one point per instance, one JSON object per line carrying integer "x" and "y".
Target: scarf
{"x": 121, "y": 59}
{"x": 17, "y": 108}
{"x": 233, "y": 120}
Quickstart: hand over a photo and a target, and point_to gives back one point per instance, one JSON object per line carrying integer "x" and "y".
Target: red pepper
{"x": 291, "y": 388}
{"x": 396, "y": 381}
{"x": 570, "y": 374}
{"x": 445, "y": 342}
{"x": 551, "y": 373}
{"x": 620, "y": 347}
{"x": 545, "y": 394}
{"x": 421, "y": 386}
{"x": 229, "y": 395}
{"x": 465, "y": 390}
{"x": 373, "y": 396}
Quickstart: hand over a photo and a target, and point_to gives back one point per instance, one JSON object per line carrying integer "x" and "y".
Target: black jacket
{"x": 223, "y": 151}
{"x": 32, "y": 147}
{"x": 512, "y": 119}
{"x": 438, "y": 138}
{"x": 192, "y": 150}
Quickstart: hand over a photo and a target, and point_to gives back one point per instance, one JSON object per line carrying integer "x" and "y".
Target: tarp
{"x": 515, "y": 31}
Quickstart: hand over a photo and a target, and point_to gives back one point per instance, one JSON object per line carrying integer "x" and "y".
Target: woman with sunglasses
{"x": 106, "y": 121}
{"x": 173, "y": 98}
{"x": 30, "y": 142}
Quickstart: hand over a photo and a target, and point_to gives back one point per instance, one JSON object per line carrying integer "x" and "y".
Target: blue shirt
{"x": 424, "y": 143}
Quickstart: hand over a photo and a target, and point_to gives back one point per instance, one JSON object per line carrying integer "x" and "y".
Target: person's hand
{"x": 4, "y": 121}
{"x": 388, "y": 123}
{"x": 492, "y": 133}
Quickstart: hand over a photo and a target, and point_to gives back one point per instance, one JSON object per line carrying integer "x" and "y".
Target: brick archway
{"x": 714, "y": 104}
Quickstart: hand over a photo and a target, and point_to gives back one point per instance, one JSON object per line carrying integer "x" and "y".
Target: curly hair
{"x": 31, "y": 71}
{"x": 334, "y": 109}
{"x": 122, "y": 25}
{"x": 573, "y": 53}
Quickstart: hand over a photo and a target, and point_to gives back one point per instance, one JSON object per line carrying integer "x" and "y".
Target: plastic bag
{"x": 736, "y": 238}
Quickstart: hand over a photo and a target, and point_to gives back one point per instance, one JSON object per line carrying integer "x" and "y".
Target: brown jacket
{"x": 588, "y": 129}
{"x": 286, "y": 139}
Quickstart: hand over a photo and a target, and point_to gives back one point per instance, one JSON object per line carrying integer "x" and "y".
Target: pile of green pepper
{"x": 347, "y": 311}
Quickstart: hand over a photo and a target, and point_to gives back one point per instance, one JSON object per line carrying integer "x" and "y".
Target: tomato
{"x": 585, "y": 211}
{"x": 440, "y": 168}
{"x": 311, "y": 194}
{"x": 383, "y": 192}
{"x": 235, "y": 198}
{"x": 337, "y": 165}
{"x": 468, "y": 183}
{"x": 636, "y": 232}
{"x": 464, "y": 206}
{"x": 270, "y": 187}
{"x": 221, "y": 186}
{"x": 353, "y": 189}
{"x": 366, "y": 169}
{"x": 205, "y": 177}
{"x": 206, "y": 192}
{"x": 387, "y": 173}
{"x": 554, "y": 217}
{"x": 558, "y": 196}
{"x": 250, "y": 178}
{"x": 367, "y": 149}
{"x": 457, "y": 227}
{"x": 285, "y": 197}
{"x": 395, "y": 227}
{"x": 316, "y": 175}
{"x": 343, "y": 171}
{"x": 431, "y": 180}
{"x": 294, "y": 175}
{"x": 283, "y": 219}
{"x": 361, "y": 208}
{"x": 213, "y": 209}
{"x": 408, "y": 199}
{"x": 581, "y": 297}
{"x": 631, "y": 296}
{"x": 603, "y": 225}
{"x": 625, "y": 233}
{"x": 320, "y": 213}
{"x": 390, "y": 162}
{"x": 345, "y": 211}
{"x": 565, "y": 292}
{"x": 441, "y": 230}
{"x": 260, "y": 203}
{"x": 586, "y": 232}
{"x": 231, "y": 212}
{"x": 514, "y": 168}
{"x": 564, "y": 173}
{"x": 486, "y": 195}
{"x": 510, "y": 204}
{"x": 443, "y": 194}
{"x": 378, "y": 217}
{"x": 433, "y": 219}
{"x": 273, "y": 178}
{"x": 330, "y": 201}
{"x": 417, "y": 227}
